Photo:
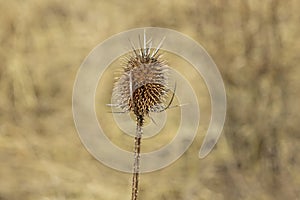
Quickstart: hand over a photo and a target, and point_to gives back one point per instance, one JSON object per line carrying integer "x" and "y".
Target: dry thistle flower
{"x": 142, "y": 88}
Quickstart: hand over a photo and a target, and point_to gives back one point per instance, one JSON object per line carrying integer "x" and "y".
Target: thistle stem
{"x": 137, "y": 155}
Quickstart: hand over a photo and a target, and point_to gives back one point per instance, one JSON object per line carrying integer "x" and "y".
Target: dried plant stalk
{"x": 142, "y": 88}
{"x": 136, "y": 165}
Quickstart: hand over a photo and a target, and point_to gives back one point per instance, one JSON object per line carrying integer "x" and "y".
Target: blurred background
{"x": 254, "y": 43}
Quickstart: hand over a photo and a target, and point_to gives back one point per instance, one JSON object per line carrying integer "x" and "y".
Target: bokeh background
{"x": 256, "y": 47}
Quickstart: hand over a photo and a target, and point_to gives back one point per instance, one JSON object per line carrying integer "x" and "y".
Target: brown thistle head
{"x": 142, "y": 87}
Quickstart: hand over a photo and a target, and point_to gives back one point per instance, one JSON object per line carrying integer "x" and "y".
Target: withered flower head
{"x": 143, "y": 86}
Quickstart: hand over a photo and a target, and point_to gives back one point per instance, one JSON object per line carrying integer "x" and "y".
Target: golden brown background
{"x": 256, "y": 46}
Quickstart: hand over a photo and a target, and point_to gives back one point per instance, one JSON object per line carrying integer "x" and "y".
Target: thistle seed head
{"x": 143, "y": 85}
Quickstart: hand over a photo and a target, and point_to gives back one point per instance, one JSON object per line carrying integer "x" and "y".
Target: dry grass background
{"x": 256, "y": 46}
